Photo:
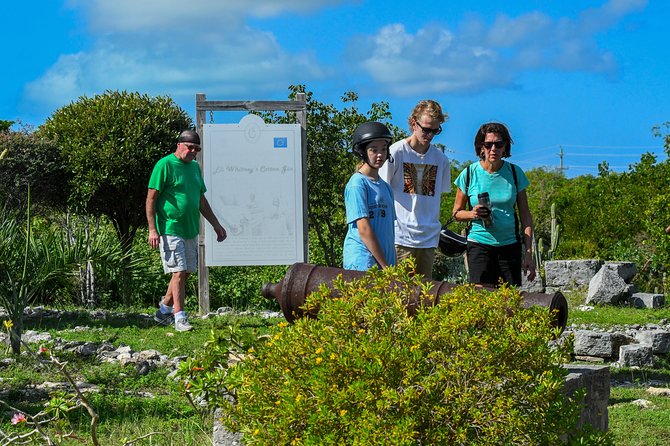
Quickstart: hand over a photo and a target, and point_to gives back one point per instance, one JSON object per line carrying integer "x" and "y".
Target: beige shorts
{"x": 424, "y": 257}
{"x": 179, "y": 254}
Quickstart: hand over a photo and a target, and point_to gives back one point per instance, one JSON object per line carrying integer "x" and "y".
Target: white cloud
{"x": 143, "y": 15}
{"x": 177, "y": 48}
{"x": 481, "y": 56}
{"x": 432, "y": 60}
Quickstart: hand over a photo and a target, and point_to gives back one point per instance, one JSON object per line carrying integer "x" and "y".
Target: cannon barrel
{"x": 302, "y": 279}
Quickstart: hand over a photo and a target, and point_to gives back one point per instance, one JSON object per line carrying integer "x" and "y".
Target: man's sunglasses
{"x": 192, "y": 147}
{"x": 428, "y": 130}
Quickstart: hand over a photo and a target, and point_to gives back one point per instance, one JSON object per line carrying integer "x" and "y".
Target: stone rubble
{"x": 623, "y": 346}
{"x": 606, "y": 283}
{"x": 144, "y": 361}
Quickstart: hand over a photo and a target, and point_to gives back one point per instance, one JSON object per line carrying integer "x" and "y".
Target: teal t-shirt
{"x": 502, "y": 193}
{"x": 180, "y": 186}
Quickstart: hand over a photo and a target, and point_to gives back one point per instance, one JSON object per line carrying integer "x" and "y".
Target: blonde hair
{"x": 427, "y": 107}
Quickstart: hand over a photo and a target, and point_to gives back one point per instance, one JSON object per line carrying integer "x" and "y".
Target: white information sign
{"x": 253, "y": 174}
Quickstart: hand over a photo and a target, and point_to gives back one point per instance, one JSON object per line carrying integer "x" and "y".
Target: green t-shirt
{"x": 180, "y": 186}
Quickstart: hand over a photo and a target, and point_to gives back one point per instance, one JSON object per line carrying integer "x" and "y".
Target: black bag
{"x": 451, "y": 244}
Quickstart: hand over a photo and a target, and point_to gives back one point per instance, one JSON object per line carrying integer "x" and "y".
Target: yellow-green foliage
{"x": 475, "y": 369}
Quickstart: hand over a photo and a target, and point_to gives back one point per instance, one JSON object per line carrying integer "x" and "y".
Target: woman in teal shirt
{"x": 497, "y": 251}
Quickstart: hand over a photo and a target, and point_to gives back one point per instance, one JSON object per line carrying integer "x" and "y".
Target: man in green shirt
{"x": 175, "y": 201}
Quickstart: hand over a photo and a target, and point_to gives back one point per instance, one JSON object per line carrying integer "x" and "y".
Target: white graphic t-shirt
{"x": 417, "y": 180}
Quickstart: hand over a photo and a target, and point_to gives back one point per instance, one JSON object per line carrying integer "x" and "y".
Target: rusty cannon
{"x": 302, "y": 279}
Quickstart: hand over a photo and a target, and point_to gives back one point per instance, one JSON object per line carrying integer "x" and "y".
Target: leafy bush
{"x": 35, "y": 260}
{"x": 655, "y": 247}
{"x": 451, "y": 269}
{"x": 34, "y": 161}
{"x": 475, "y": 369}
{"x": 240, "y": 286}
{"x": 149, "y": 281}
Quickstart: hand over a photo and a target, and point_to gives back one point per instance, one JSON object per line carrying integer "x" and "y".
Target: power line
{"x": 551, "y": 155}
{"x": 592, "y": 167}
{"x": 607, "y": 155}
{"x": 542, "y": 149}
{"x": 579, "y": 146}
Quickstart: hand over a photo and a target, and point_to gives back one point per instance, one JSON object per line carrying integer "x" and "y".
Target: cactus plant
{"x": 543, "y": 251}
{"x": 555, "y": 228}
{"x": 538, "y": 251}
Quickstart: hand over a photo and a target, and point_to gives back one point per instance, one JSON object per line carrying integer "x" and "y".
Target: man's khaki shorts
{"x": 179, "y": 254}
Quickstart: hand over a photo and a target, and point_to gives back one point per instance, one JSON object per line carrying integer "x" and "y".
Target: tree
{"x": 108, "y": 144}
{"x": 31, "y": 160}
{"x": 544, "y": 185}
{"x": 5, "y": 125}
{"x": 656, "y": 131}
{"x": 330, "y": 164}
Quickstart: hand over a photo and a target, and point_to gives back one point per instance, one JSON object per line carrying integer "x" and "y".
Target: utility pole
{"x": 560, "y": 157}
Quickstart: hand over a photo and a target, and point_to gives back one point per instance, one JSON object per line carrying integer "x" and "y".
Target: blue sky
{"x": 587, "y": 77}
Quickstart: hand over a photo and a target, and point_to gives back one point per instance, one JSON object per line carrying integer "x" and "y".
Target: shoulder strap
{"x": 516, "y": 209}
{"x": 467, "y": 186}
{"x": 516, "y": 183}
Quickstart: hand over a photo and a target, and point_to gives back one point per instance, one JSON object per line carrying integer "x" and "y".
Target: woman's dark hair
{"x": 493, "y": 127}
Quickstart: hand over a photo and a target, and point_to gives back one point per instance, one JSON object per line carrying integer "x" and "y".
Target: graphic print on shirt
{"x": 427, "y": 174}
{"x": 377, "y": 209}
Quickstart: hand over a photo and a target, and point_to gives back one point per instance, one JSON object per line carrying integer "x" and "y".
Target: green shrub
{"x": 475, "y": 369}
{"x": 240, "y": 286}
{"x": 450, "y": 269}
{"x": 149, "y": 281}
{"x": 34, "y": 161}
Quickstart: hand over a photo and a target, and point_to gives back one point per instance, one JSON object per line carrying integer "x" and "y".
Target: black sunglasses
{"x": 489, "y": 144}
{"x": 428, "y": 130}
{"x": 191, "y": 146}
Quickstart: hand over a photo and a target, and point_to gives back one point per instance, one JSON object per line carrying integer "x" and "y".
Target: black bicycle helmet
{"x": 452, "y": 244}
{"x": 367, "y": 132}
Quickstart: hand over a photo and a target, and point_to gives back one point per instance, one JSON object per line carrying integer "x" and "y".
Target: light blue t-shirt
{"x": 502, "y": 193}
{"x": 364, "y": 197}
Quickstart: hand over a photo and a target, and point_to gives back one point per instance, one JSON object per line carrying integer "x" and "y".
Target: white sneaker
{"x": 182, "y": 325}
{"x": 162, "y": 318}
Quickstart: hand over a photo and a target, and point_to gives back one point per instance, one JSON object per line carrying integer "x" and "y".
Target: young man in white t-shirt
{"x": 418, "y": 176}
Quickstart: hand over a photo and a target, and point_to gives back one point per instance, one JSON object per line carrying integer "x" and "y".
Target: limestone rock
{"x": 658, "y": 340}
{"x": 33, "y": 337}
{"x": 607, "y": 287}
{"x": 625, "y": 270}
{"x": 534, "y": 286}
{"x": 647, "y": 300}
{"x": 659, "y": 391}
{"x": 561, "y": 275}
{"x": 602, "y": 345}
{"x": 635, "y": 355}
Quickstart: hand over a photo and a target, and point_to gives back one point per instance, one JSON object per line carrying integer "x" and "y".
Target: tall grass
{"x": 30, "y": 263}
